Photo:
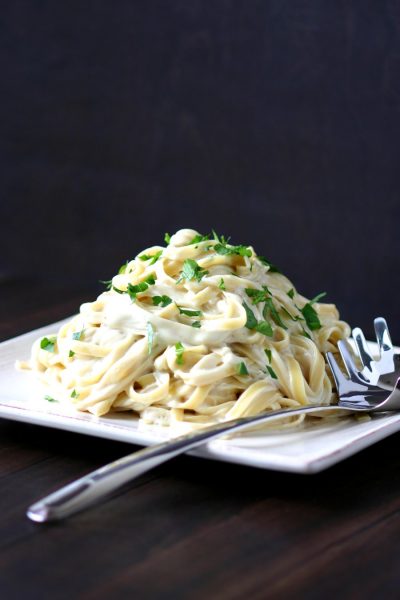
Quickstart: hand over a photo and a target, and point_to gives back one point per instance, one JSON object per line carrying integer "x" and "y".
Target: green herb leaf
{"x": 257, "y": 296}
{"x": 272, "y": 372}
{"x": 305, "y": 333}
{"x": 269, "y": 354}
{"x": 189, "y": 313}
{"x": 262, "y": 326}
{"x": 163, "y": 300}
{"x": 267, "y": 263}
{"x": 77, "y": 335}
{"x": 310, "y": 316}
{"x": 108, "y": 283}
{"x": 198, "y": 238}
{"x": 179, "y": 350}
{"x": 242, "y": 369}
{"x": 122, "y": 268}
{"x": 317, "y": 298}
{"x": 74, "y": 394}
{"x": 251, "y": 321}
{"x": 232, "y": 250}
{"x": 48, "y": 343}
{"x": 150, "y": 337}
{"x": 152, "y": 257}
{"x": 196, "y": 324}
{"x": 50, "y": 399}
{"x": 133, "y": 290}
{"x": 191, "y": 271}
{"x": 167, "y": 238}
{"x": 271, "y": 308}
{"x": 294, "y": 318}
{"x": 220, "y": 238}
{"x": 265, "y": 328}
{"x": 290, "y": 293}
{"x": 221, "y": 285}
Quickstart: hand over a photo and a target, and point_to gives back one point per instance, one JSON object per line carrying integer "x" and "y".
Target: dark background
{"x": 275, "y": 122}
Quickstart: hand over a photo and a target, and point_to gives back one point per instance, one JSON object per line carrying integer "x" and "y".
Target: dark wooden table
{"x": 191, "y": 528}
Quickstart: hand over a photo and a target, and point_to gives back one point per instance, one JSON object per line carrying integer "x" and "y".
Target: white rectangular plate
{"x": 307, "y": 449}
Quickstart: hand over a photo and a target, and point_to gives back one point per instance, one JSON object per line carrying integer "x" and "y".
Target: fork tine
{"x": 383, "y": 335}
{"x": 363, "y": 351}
{"x": 340, "y": 379}
{"x": 348, "y": 361}
{"x": 385, "y": 344}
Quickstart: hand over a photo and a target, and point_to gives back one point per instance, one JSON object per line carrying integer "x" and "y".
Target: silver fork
{"x": 385, "y": 370}
{"x": 355, "y": 395}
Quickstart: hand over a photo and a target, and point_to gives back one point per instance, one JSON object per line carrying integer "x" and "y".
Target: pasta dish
{"x": 191, "y": 333}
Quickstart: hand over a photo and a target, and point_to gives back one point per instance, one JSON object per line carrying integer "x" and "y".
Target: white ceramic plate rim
{"x": 309, "y": 449}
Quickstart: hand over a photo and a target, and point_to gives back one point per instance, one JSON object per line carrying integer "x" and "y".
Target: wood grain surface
{"x": 192, "y": 528}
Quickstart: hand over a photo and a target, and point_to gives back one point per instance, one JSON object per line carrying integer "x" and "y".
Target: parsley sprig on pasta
{"x": 196, "y": 331}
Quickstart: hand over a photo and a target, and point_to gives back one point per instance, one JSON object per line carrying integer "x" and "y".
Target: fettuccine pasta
{"x": 192, "y": 333}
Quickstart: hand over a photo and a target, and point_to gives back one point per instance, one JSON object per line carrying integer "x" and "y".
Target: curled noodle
{"x": 193, "y": 333}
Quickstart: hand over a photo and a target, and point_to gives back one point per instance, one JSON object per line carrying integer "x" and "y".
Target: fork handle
{"x": 98, "y": 484}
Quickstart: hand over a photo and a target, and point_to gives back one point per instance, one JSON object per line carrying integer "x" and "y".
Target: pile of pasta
{"x": 192, "y": 333}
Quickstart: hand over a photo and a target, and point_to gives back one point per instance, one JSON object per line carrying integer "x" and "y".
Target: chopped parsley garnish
{"x": 189, "y": 313}
{"x": 264, "y": 295}
{"x": 198, "y": 238}
{"x": 48, "y": 343}
{"x": 122, "y": 268}
{"x": 163, "y": 300}
{"x": 265, "y": 328}
{"x": 294, "y": 318}
{"x": 310, "y": 314}
{"x": 311, "y": 317}
{"x": 191, "y": 271}
{"x": 271, "y": 309}
{"x": 267, "y": 263}
{"x": 290, "y": 293}
{"x": 153, "y": 258}
{"x": 150, "y": 337}
{"x": 108, "y": 283}
{"x": 221, "y": 285}
{"x": 167, "y": 238}
{"x": 50, "y": 399}
{"x": 318, "y": 297}
{"x": 77, "y": 335}
{"x": 251, "y": 321}
{"x": 133, "y": 290}
{"x": 257, "y": 296}
{"x": 242, "y": 369}
{"x": 272, "y": 372}
{"x": 232, "y": 250}
{"x": 220, "y": 238}
{"x": 196, "y": 324}
{"x": 269, "y": 368}
{"x": 305, "y": 333}
{"x": 179, "y": 350}
{"x": 74, "y": 394}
